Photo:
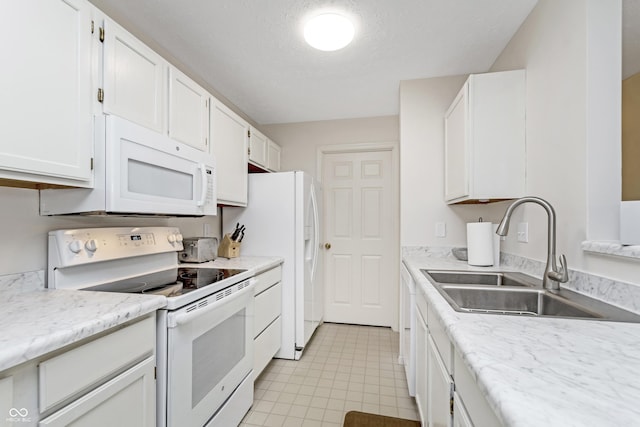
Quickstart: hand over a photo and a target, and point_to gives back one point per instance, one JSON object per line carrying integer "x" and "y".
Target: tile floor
{"x": 344, "y": 368}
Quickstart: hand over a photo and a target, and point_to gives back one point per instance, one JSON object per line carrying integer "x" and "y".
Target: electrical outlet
{"x": 523, "y": 232}
{"x": 441, "y": 229}
{"x": 206, "y": 230}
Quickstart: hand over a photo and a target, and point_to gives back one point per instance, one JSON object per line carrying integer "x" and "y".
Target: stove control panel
{"x": 89, "y": 245}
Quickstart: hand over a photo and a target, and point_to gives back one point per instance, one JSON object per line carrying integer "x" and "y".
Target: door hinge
{"x": 155, "y": 372}
{"x": 248, "y": 151}
{"x": 249, "y": 133}
{"x": 100, "y": 95}
{"x": 102, "y": 34}
{"x": 206, "y": 141}
{"x": 92, "y": 163}
{"x": 92, "y": 25}
{"x": 451, "y": 390}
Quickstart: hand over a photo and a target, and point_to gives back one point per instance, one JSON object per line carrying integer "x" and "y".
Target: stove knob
{"x": 91, "y": 245}
{"x": 178, "y": 237}
{"x": 171, "y": 238}
{"x": 75, "y": 246}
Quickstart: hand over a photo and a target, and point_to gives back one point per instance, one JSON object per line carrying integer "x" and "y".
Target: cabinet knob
{"x": 327, "y": 246}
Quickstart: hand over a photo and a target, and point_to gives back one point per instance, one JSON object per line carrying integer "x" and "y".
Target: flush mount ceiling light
{"x": 329, "y": 31}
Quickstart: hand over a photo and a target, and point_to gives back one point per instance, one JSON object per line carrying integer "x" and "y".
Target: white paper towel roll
{"x": 480, "y": 244}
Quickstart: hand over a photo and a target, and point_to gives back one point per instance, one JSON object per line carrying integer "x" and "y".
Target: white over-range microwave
{"x": 139, "y": 171}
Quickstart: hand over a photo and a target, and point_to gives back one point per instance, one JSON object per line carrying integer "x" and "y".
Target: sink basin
{"x": 512, "y": 293}
{"x": 479, "y": 278}
{"x": 523, "y": 301}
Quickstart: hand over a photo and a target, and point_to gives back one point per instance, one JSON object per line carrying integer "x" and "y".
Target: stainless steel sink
{"x": 511, "y": 293}
{"x": 480, "y": 278}
{"x": 522, "y": 301}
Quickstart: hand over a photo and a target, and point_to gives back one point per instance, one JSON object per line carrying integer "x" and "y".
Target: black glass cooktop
{"x": 195, "y": 278}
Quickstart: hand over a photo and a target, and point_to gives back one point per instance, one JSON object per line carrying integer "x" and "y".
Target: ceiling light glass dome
{"x": 329, "y": 31}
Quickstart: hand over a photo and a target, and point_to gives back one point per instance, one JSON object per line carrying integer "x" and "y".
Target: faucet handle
{"x": 562, "y": 275}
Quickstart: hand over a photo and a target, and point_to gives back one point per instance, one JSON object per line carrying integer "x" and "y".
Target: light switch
{"x": 441, "y": 229}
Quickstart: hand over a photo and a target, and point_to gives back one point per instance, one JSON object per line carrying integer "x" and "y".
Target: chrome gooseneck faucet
{"x": 552, "y": 275}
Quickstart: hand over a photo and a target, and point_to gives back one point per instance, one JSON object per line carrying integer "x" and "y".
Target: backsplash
{"x": 22, "y": 282}
{"x": 621, "y": 294}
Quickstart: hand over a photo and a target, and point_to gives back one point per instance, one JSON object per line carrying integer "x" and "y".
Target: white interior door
{"x": 360, "y": 260}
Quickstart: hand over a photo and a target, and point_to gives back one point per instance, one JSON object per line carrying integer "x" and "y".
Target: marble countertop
{"x": 35, "y": 321}
{"x": 543, "y": 371}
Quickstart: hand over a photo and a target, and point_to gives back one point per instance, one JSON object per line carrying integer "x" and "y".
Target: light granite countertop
{"x": 542, "y": 371}
{"x": 35, "y": 321}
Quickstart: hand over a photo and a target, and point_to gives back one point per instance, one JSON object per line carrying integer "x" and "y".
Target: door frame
{"x": 364, "y": 147}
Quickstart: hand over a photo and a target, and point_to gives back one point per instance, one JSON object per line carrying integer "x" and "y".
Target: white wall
{"x": 24, "y": 232}
{"x": 300, "y": 141}
{"x": 572, "y": 139}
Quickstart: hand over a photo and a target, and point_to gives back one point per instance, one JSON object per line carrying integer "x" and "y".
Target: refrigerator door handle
{"x": 316, "y": 233}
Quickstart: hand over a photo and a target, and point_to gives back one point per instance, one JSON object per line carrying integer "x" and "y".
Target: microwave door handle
{"x": 205, "y": 185}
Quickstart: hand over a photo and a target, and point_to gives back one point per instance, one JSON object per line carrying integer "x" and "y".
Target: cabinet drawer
{"x": 268, "y": 278}
{"x": 265, "y": 346}
{"x": 440, "y": 339}
{"x": 91, "y": 364}
{"x": 126, "y": 401}
{"x": 268, "y": 306}
{"x": 474, "y": 402}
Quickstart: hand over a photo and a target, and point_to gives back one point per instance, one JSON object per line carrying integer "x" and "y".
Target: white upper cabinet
{"x": 134, "y": 79}
{"x": 229, "y": 145}
{"x": 46, "y": 135}
{"x": 257, "y": 148}
{"x": 485, "y": 139}
{"x": 188, "y": 111}
{"x": 273, "y": 156}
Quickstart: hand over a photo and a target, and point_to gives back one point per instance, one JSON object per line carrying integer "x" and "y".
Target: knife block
{"x": 228, "y": 248}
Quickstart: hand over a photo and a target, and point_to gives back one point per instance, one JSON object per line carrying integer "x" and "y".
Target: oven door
{"x": 148, "y": 172}
{"x": 210, "y": 352}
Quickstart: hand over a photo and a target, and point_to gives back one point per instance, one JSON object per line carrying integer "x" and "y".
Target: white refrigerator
{"x": 282, "y": 219}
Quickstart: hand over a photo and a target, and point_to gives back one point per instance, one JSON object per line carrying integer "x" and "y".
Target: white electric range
{"x": 205, "y": 332}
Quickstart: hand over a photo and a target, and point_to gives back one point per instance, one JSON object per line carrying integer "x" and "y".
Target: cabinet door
{"x": 6, "y": 398}
{"x": 440, "y": 386}
{"x": 258, "y": 148}
{"x": 229, "y": 144}
{"x": 421, "y": 367}
{"x": 45, "y": 82}
{"x": 273, "y": 156}
{"x": 456, "y": 149}
{"x": 188, "y": 111}
{"x": 128, "y": 400}
{"x": 460, "y": 416}
{"x": 134, "y": 79}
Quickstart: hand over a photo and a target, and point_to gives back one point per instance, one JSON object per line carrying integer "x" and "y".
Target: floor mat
{"x": 363, "y": 419}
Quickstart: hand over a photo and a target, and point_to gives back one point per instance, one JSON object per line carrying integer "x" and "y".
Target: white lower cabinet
{"x": 127, "y": 400}
{"x": 460, "y": 415}
{"x": 267, "y": 322}
{"x": 422, "y": 334}
{"x": 439, "y": 389}
{"x": 446, "y": 393}
{"x": 106, "y": 381}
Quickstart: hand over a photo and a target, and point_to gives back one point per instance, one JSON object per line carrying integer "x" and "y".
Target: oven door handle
{"x": 185, "y": 317}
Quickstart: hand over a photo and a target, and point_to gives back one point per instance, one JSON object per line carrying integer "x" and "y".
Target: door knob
{"x": 327, "y": 245}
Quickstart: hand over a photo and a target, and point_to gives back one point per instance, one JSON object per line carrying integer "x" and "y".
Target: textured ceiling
{"x": 253, "y": 52}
